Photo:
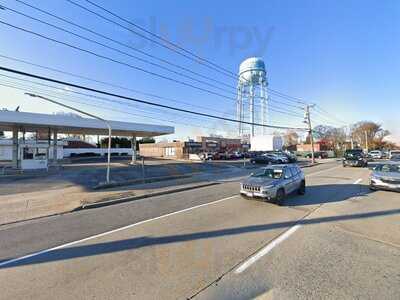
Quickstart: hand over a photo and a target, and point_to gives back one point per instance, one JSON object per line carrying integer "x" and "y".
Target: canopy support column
{"x": 15, "y": 148}
{"x": 134, "y": 152}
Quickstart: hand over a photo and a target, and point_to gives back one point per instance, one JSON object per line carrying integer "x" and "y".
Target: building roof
{"x": 31, "y": 122}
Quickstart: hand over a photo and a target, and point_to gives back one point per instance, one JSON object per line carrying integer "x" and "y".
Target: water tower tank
{"x": 252, "y": 71}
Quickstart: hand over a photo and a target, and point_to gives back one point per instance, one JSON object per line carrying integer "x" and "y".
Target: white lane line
{"x": 279, "y": 239}
{"x": 274, "y": 242}
{"x": 267, "y": 249}
{"x": 17, "y": 259}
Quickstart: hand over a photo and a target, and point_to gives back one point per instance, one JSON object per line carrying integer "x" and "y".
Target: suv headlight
{"x": 374, "y": 177}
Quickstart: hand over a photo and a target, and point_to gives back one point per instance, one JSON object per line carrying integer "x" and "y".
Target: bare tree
{"x": 291, "y": 138}
{"x": 367, "y": 132}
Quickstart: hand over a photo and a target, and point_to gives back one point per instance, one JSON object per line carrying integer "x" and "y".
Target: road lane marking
{"x": 17, "y": 259}
{"x": 275, "y": 242}
{"x": 267, "y": 249}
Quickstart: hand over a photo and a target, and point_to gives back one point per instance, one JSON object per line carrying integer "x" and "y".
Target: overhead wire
{"x": 108, "y": 108}
{"x": 196, "y": 58}
{"x": 9, "y": 70}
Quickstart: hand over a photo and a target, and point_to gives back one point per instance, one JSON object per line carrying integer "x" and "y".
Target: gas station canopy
{"x": 64, "y": 124}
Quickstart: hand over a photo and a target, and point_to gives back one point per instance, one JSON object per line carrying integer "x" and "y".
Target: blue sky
{"x": 342, "y": 55}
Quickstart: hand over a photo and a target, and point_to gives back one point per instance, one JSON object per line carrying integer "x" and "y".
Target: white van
{"x": 376, "y": 154}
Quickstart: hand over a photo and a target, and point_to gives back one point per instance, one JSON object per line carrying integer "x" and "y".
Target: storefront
{"x": 176, "y": 150}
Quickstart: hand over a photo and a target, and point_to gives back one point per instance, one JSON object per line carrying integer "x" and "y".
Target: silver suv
{"x": 274, "y": 182}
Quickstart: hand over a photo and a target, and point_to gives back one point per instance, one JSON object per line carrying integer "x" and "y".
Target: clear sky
{"x": 342, "y": 55}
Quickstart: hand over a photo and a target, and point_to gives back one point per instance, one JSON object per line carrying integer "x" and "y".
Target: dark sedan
{"x": 262, "y": 159}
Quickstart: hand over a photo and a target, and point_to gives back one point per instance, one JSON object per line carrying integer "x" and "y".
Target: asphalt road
{"x": 338, "y": 241}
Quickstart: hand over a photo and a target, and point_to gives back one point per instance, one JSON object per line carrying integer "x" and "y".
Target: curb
{"x": 133, "y": 198}
{"x": 139, "y": 181}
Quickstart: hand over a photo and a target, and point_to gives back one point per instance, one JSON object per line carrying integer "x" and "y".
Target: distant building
{"x": 182, "y": 150}
{"x": 318, "y": 146}
{"x": 177, "y": 149}
{"x": 219, "y": 144}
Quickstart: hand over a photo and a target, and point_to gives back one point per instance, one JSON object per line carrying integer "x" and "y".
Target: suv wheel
{"x": 302, "y": 188}
{"x": 280, "y": 194}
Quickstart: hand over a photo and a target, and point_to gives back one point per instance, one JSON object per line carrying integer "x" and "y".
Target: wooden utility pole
{"x": 310, "y": 131}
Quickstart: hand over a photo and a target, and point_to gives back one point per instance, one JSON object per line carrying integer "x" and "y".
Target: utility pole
{"x": 366, "y": 140}
{"x": 307, "y": 120}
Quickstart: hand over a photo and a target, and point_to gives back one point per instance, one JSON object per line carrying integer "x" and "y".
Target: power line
{"x": 93, "y": 41}
{"x": 58, "y": 91}
{"x": 121, "y": 43}
{"x": 116, "y": 61}
{"x": 197, "y": 59}
{"x": 125, "y": 53}
{"x": 113, "y": 109}
{"x": 272, "y": 108}
{"x": 157, "y": 36}
{"x": 105, "y": 83}
{"x": 322, "y": 111}
{"x": 137, "y": 100}
{"x": 119, "y": 51}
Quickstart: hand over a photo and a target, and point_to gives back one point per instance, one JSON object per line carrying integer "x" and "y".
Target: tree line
{"x": 363, "y": 134}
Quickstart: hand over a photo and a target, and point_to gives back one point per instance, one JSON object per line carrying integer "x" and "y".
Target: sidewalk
{"x": 36, "y": 204}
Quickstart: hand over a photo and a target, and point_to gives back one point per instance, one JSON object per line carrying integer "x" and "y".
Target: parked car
{"x": 290, "y": 157}
{"x": 355, "y": 158}
{"x": 318, "y": 154}
{"x": 236, "y": 155}
{"x": 273, "y": 183}
{"x": 276, "y": 158}
{"x": 393, "y": 152}
{"x": 385, "y": 154}
{"x": 386, "y": 177}
{"x": 206, "y": 156}
{"x": 395, "y": 157}
{"x": 375, "y": 154}
{"x": 261, "y": 159}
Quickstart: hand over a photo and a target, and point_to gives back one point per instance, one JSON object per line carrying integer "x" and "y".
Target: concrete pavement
{"x": 191, "y": 243}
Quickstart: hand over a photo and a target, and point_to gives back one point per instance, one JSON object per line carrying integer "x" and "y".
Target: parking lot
{"x": 340, "y": 241}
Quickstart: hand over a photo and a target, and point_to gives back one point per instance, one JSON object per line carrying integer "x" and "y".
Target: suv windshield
{"x": 353, "y": 153}
{"x": 388, "y": 168}
{"x": 270, "y": 173}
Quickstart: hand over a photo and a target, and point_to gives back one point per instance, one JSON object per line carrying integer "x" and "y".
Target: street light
{"x": 90, "y": 115}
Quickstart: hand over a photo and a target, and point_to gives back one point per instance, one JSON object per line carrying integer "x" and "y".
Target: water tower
{"x": 252, "y": 87}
